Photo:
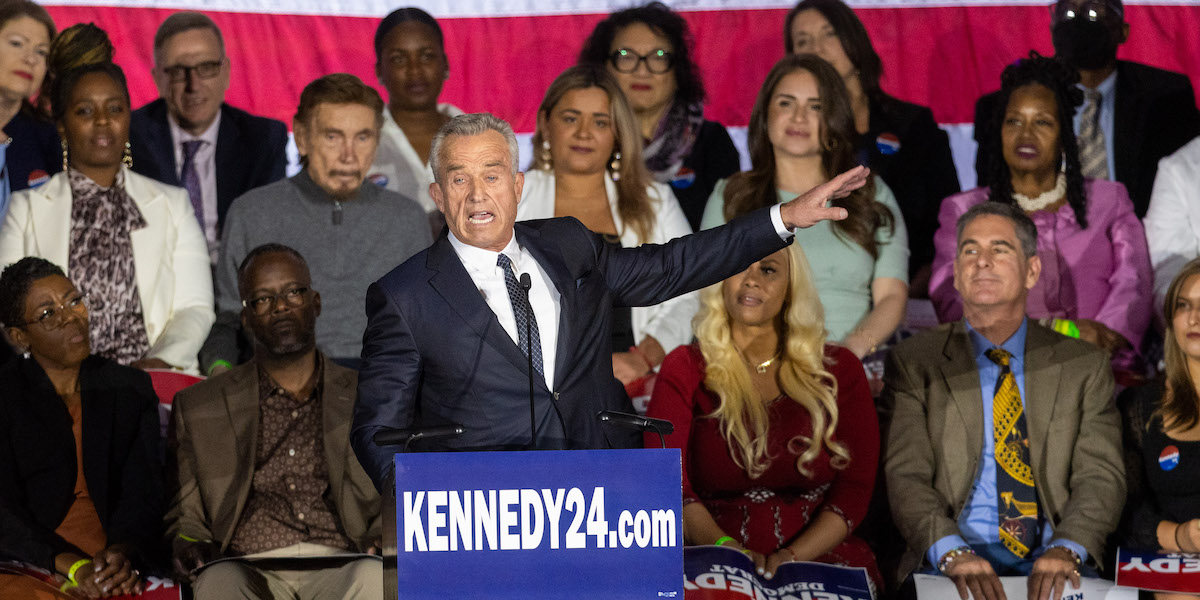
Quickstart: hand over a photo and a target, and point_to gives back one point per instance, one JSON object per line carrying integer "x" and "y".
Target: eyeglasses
{"x": 54, "y": 317}
{"x": 625, "y": 60}
{"x": 1093, "y": 10}
{"x": 204, "y": 70}
{"x": 262, "y": 305}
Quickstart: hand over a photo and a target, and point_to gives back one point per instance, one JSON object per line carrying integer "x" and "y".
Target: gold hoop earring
{"x": 127, "y": 157}
{"x": 66, "y": 161}
{"x": 547, "y": 159}
{"x": 615, "y": 165}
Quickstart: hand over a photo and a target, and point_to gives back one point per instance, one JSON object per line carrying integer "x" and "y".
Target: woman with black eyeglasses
{"x": 131, "y": 243}
{"x": 647, "y": 49}
{"x": 80, "y": 486}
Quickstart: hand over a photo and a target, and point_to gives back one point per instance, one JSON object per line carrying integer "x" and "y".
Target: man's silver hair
{"x": 469, "y": 125}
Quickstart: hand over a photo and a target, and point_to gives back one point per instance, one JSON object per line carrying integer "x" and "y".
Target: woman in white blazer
{"x": 587, "y": 164}
{"x": 128, "y": 215}
{"x": 1173, "y": 220}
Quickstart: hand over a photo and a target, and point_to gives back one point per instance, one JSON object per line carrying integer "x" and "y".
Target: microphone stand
{"x": 525, "y": 285}
{"x": 660, "y": 426}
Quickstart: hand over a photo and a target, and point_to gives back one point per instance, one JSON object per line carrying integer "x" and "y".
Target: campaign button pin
{"x": 887, "y": 143}
{"x": 37, "y": 177}
{"x": 1169, "y": 459}
{"x": 683, "y": 179}
{"x": 378, "y": 179}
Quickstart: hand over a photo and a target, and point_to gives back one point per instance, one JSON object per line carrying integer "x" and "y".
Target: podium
{"x": 540, "y": 524}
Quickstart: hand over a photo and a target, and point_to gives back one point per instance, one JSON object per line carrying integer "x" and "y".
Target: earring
{"x": 66, "y": 162}
{"x": 615, "y": 166}
{"x": 127, "y": 158}
{"x": 25, "y": 354}
{"x": 546, "y": 158}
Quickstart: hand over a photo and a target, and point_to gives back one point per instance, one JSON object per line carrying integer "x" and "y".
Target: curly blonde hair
{"x": 802, "y": 376}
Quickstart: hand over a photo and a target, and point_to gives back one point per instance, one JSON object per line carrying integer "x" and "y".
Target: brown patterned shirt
{"x": 101, "y": 264}
{"x": 289, "y": 499}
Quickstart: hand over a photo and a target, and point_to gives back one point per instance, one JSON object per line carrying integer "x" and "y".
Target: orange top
{"x": 81, "y": 527}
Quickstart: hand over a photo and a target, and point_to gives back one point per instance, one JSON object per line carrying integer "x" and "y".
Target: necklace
{"x": 762, "y": 366}
{"x": 1045, "y": 198}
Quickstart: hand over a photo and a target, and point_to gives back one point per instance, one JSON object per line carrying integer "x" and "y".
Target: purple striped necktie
{"x": 191, "y": 179}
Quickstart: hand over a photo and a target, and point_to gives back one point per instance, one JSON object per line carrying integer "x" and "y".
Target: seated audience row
{"x": 86, "y": 428}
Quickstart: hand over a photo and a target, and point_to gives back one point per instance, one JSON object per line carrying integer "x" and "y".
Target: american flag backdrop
{"x": 504, "y": 53}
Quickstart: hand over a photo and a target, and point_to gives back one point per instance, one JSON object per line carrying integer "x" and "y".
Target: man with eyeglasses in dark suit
{"x": 190, "y": 137}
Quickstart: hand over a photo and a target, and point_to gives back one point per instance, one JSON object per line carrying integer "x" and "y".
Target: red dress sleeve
{"x": 674, "y": 399}
{"x": 858, "y": 429}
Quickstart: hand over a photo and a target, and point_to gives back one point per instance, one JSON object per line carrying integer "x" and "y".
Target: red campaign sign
{"x": 31, "y": 581}
{"x": 720, "y": 573}
{"x": 1159, "y": 572}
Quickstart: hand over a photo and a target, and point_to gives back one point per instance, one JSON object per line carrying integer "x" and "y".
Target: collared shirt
{"x": 543, "y": 296}
{"x": 980, "y": 517}
{"x": 289, "y": 501}
{"x": 1108, "y": 105}
{"x": 397, "y": 165}
{"x": 205, "y": 161}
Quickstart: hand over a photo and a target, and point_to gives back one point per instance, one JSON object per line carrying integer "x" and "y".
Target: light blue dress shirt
{"x": 980, "y": 518}
{"x": 1108, "y": 105}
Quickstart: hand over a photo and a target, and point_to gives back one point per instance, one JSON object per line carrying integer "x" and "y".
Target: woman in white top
{"x": 130, "y": 243}
{"x": 410, "y": 61}
{"x": 587, "y": 164}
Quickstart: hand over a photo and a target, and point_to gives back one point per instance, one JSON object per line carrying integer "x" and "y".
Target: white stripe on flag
{"x": 512, "y": 8}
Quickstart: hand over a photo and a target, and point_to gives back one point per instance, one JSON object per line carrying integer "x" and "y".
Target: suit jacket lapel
{"x": 337, "y": 403}
{"x": 551, "y": 261}
{"x": 962, "y": 379}
{"x": 241, "y": 404}
{"x": 452, "y": 282}
{"x": 159, "y": 138}
{"x": 1043, "y": 375}
{"x": 227, "y": 163}
{"x": 1126, "y": 106}
{"x": 50, "y": 206}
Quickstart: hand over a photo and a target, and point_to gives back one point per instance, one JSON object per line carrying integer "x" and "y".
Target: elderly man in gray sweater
{"x": 350, "y": 232}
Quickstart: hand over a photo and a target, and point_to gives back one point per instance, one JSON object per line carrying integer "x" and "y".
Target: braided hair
{"x": 1060, "y": 79}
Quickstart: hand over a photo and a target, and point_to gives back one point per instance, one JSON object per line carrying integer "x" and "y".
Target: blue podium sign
{"x": 544, "y": 524}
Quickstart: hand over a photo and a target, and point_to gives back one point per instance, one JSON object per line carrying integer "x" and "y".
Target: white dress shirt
{"x": 1173, "y": 219}
{"x": 670, "y": 323}
{"x": 205, "y": 161}
{"x": 543, "y": 296}
{"x": 397, "y": 165}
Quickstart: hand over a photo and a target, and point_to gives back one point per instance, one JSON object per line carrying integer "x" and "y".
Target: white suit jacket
{"x": 170, "y": 257}
{"x": 1173, "y": 219}
{"x": 670, "y": 322}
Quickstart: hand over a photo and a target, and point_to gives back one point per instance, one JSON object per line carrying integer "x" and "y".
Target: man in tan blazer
{"x": 948, "y": 486}
{"x": 263, "y": 462}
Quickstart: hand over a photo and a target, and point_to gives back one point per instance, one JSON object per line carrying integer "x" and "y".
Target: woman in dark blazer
{"x": 63, "y": 406}
{"x": 899, "y": 140}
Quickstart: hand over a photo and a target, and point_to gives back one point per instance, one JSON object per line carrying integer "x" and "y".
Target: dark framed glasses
{"x": 204, "y": 70}
{"x": 625, "y": 60}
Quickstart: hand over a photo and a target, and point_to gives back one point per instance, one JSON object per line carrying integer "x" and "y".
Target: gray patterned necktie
{"x": 523, "y": 311}
{"x": 1093, "y": 153}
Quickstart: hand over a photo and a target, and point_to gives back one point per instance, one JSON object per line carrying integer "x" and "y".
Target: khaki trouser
{"x": 357, "y": 579}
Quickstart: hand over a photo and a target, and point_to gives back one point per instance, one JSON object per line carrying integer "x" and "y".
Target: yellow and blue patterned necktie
{"x": 1015, "y": 489}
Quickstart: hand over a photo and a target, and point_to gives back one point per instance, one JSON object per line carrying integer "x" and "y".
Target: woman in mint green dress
{"x": 801, "y": 132}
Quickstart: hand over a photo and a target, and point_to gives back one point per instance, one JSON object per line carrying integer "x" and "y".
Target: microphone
{"x": 660, "y": 426}
{"x": 404, "y": 437}
{"x": 525, "y": 285}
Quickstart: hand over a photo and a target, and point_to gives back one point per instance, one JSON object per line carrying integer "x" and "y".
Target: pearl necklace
{"x": 1045, "y": 198}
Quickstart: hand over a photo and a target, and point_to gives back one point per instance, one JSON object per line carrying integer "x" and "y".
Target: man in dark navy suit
{"x": 190, "y": 138}
{"x": 451, "y": 331}
{"x": 1142, "y": 113}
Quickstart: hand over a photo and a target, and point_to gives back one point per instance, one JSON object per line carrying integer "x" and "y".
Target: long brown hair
{"x": 753, "y": 189}
{"x": 1180, "y": 404}
{"x": 634, "y": 205}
